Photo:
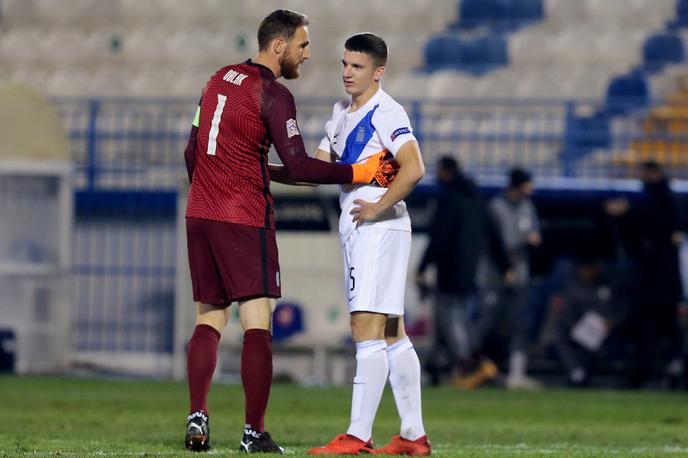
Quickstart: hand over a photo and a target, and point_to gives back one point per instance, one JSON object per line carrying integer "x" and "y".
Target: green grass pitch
{"x": 98, "y": 417}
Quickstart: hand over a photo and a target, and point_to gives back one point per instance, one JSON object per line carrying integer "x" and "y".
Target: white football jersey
{"x": 381, "y": 124}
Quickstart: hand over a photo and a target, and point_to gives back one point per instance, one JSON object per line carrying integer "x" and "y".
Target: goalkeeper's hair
{"x": 279, "y": 23}
{"x": 368, "y": 43}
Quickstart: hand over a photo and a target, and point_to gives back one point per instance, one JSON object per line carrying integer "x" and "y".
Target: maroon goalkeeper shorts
{"x": 231, "y": 262}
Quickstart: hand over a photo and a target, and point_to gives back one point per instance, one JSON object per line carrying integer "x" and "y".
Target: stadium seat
{"x": 621, "y": 46}
{"x": 16, "y": 12}
{"x": 187, "y": 81}
{"x": 662, "y": 49}
{"x": 189, "y": 44}
{"x": 70, "y": 81}
{"x": 682, "y": 13}
{"x": 410, "y": 85}
{"x": 535, "y": 44}
{"x": 564, "y": 11}
{"x": 66, "y": 45}
{"x": 627, "y": 92}
{"x": 473, "y": 55}
{"x": 629, "y": 9}
{"x": 145, "y": 44}
{"x": 525, "y": 10}
{"x": 483, "y": 54}
{"x": 443, "y": 51}
{"x": 401, "y": 43}
{"x": 21, "y": 44}
{"x": 498, "y": 14}
{"x": 449, "y": 84}
{"x": 662, "y": 82}
{"x": 473, "y": 13}
{"x": 584, "y": 134}
{"x": 590, "y": 84}
{"x": 489, "y": 52}
{"x": 135, "y": 11}
{"x": 77, "y": 12}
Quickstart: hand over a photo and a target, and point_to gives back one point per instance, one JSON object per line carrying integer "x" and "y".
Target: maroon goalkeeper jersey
{"x": 243, "y": 110}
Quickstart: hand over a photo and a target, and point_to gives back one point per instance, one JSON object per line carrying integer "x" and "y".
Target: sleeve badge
{"x": 292, "y": 128}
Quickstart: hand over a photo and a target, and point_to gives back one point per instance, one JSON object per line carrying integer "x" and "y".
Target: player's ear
{"x": 278, "y": 45}
{"x": 377, "y": 75}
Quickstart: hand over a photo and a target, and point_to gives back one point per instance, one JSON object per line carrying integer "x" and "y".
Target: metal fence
{"x": 129, "y": 168}
{"x": 137, "y": 143}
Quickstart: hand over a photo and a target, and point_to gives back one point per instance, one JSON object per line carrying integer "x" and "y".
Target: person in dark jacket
{"x": 649, "y": 230}
{"x": 457, "y": 235}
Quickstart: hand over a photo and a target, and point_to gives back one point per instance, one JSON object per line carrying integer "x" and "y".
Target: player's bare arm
{"x": 411, "y": 170}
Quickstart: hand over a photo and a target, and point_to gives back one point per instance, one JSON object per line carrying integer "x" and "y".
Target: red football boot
{"x": 400, "y": 446}
{"x": 344, "y": 444}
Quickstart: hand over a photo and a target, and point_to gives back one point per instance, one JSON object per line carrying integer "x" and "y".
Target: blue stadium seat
{"x": 443, "y": 51}
{"x": 662, "y": 49}
{"x": 584, "y": 134}
{"x": 501, "y": 14}
{"x": 474, "y": 13}
{"x": 627, "y": 92}
{"x": 472, "y": 55}
{"x": 525, "y": 10}
{"x": 681, "y": 13}
{"x": 485, "y": 54}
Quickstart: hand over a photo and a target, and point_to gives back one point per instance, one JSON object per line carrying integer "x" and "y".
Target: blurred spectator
{"x": 456, "y": 240}
{"x": 650, "y": 237}
{"x": 585, "y": 313}
{"x": 506, "y": 295}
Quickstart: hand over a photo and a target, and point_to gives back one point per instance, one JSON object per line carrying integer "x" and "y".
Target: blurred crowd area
{"x": 597, "y": 306}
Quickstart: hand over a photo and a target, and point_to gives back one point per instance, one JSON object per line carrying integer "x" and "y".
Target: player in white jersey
{"x": 375, "y": 232}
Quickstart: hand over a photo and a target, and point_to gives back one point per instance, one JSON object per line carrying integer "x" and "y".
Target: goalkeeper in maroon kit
{"x": 230, "y": 223}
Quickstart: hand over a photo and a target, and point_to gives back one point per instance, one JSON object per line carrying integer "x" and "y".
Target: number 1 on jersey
{"x": 215, "y": 125}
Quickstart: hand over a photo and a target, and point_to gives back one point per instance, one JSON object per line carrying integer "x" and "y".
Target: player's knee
{"x": 367, "y": 326}
{"x": 212, "y": 315}
{"x": 255, "y": 313}
{"x": 216, "y": 322}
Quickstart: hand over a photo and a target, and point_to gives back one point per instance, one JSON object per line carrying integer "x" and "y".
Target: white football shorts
{"x": 375, "y": 265}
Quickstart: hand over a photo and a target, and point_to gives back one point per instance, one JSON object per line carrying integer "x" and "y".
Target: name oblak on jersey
{"x": 234, "y": 77}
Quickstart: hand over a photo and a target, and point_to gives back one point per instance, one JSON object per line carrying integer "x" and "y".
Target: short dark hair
{"x": 652, "y": 166}
{"x": 518, "y": 176}
{"x": 279, "y": 23}
{"x": 368, "y": 43}
{"x": 449, "y": 164}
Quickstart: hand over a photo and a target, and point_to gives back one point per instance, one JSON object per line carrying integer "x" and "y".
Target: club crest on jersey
{"x": 360, "y": 134}
{"x": 400, "y": 131}
{"x": 292, "y": 128}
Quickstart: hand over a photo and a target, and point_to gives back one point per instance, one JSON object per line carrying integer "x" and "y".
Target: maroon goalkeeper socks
{"x": 256, "y": 375}
{"x": 201, "y": 359}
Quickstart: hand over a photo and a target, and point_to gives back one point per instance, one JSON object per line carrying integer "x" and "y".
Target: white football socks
{"x": 371, "y": 376}
{"x": 404, "y": 376}
{"x": 518, "y": 360}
